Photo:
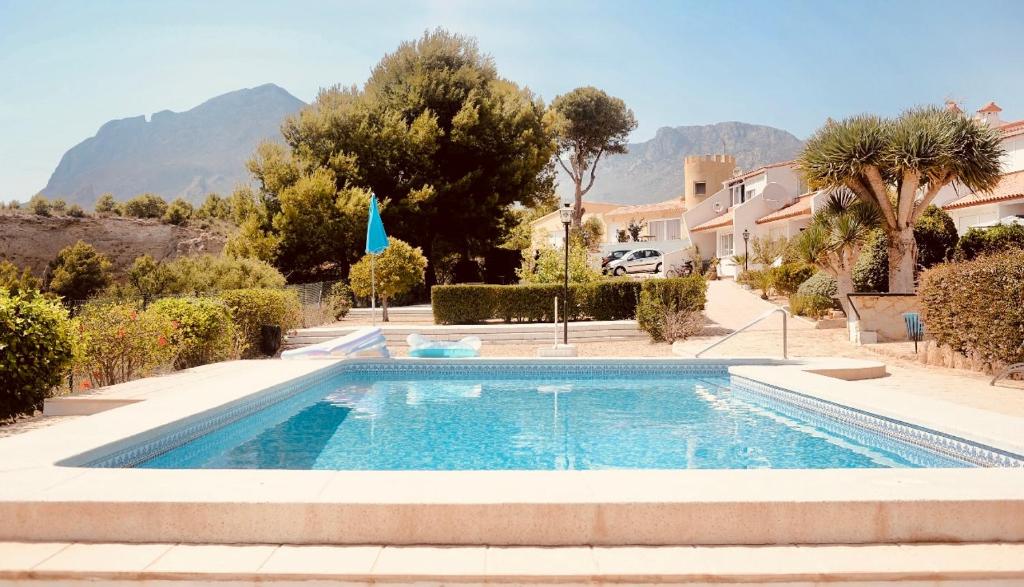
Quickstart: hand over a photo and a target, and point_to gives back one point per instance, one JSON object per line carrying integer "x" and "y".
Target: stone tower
{"x": 704, "y": 175}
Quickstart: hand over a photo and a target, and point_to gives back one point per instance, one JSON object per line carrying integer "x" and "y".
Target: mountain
{"x": 187, "y": 154}
{"x": 652, "y": 171}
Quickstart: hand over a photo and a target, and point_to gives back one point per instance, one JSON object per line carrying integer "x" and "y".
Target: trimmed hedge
{"x": 471, "y": 304}
{"x": 203, "y": 329}
{"x": 975, "y": 306}
{"x": 977, "y": 242}
{"x": 251, "y": 309}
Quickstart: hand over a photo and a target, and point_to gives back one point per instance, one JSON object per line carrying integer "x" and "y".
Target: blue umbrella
{"x": 376, "y": 242}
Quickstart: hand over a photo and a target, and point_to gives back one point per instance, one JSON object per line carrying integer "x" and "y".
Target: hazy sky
{"x": 68, "y": 67}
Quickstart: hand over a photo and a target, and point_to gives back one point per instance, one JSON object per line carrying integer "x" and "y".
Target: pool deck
{"x": 43, "y": 501}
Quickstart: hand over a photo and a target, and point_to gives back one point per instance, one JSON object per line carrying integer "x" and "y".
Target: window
{"x": 656, "y": 228}
{"x": 673, "y": 229}
{"x": 725, "y": 245}
{"x": 700, "y": 188}
{"x": 738, "y": 193}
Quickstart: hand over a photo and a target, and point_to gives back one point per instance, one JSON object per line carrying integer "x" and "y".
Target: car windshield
{"x": 617, "y": 254}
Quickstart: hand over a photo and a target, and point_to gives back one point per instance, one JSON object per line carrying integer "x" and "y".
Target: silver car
{"x": 639, "y": 261}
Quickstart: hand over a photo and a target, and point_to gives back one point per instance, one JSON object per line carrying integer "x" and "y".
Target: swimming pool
{"x": 480, "y": 416}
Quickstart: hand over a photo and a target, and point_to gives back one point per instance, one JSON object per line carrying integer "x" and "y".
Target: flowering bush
{"x": 120, "y": 342}
{"x": 36, "y": 347}
{"x": 251, "y": 309}
{"x": 203, "y": 330}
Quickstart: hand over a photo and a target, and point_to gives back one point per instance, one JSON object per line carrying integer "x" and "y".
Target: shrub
{"x": 15, "y": 281}
{"x": 145, "y": 206}
{"x": 549, "y": 267}
{"x": 36, "y": 350}
{"x": 339, "y": 300}
{"x": 214, "y": 207}
{"x": 205, "y": 274}
{"x": 39, "y": 205}
{"x": 811, "y": 305}
{"x": 397, "y": 270}
{"x": 660, "y": 298}
{"x": 251, "y": 309}
{"x": 975, "y": 306}
{"x": 760, "y": 279}
{"x": 76, "y": 211}
{"x": 120, "y": 342}
{"x": 977, "y": 242}
{"x": 820, "y": 284}
{"x": 78, "y": 272}
{"x": 178, "y": 212}
{"x": 105, "y": 204}
{"x": 786, "y": 278}
{"x": 871, "y": 271}
{"x": 533, "y": 302}
{"x": 59, "y": 206}
{"x": 682, "y": 324}
{"x": 935, "y": 234}
{"x": 203, "y": 330}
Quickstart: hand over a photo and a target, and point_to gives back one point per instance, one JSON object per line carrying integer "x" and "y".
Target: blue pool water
{"x": 360, "y": 422}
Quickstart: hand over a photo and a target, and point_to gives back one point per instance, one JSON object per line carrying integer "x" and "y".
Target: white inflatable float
{"x": 364, "y": 340}
{"x": 423, "y": 347}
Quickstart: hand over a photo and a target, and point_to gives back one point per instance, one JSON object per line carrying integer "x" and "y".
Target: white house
{"x": 768, "y": 202}
{"x": 1006, "y": 202}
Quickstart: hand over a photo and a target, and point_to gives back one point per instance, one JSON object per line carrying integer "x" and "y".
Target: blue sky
{"x": 67, "y": 67}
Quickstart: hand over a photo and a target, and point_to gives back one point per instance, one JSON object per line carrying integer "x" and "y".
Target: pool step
{"x": 489, "y": 333}
{"x": 213, "y": 564}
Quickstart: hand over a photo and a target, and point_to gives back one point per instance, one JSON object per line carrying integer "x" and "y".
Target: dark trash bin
{"x": 270, "y": 339}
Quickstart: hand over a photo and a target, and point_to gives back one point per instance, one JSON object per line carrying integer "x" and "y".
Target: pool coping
{"x": 44, "y": 501}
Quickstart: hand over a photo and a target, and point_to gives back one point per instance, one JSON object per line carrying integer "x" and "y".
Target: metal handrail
{"x": 1014, "y": 368}
{"x": 785, "y": 338}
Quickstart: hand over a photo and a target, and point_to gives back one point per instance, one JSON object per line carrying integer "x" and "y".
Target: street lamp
{"x": 565, "y": 214}
{"x": 746, "y": 239}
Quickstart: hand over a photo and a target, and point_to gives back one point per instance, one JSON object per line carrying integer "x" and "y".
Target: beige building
{"x": 547, "y": 231}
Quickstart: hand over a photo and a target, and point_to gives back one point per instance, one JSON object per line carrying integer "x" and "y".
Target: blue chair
{"x": 915, "y": 328}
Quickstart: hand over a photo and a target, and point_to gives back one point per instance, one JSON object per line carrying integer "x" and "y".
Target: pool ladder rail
{"x": 1016, "y": 368}
{"x": 768, "y": 314}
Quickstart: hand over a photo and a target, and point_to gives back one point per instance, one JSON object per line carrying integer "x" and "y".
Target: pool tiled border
{"x": 821, "y": 412}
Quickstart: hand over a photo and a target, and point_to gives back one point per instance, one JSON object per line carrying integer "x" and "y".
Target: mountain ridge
{"x": 174, "y": 154}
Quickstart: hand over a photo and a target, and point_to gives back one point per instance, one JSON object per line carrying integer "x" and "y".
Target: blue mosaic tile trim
{"x": 182, "y": 434}
{"x": 851, "y": 421}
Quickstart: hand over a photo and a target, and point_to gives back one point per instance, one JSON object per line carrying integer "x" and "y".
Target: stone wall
{"x": 881, "y": 317}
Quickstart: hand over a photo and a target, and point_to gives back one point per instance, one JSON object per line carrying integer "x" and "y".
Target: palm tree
{"x": 835, "y": 237}
{"x": 911, "y": 157}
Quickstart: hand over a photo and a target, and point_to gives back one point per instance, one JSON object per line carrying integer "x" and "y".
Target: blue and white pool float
{"x": 425, "y": 348}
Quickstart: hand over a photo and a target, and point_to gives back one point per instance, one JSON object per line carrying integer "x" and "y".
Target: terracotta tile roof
{"x": 801, "y": 207}
{"x": 1010, "y": 187}
{"x": 673, "y": 204}
{"x": 1012, "y": 129}
{"x": 762, "y": 169}
{"x": 990, "y": 107}
{"x": 716, "y": 222}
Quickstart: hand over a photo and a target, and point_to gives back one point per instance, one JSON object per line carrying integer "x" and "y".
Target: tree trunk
{"x": 844, "y": 286}
{"x": 577, "y": 211}
{"x": 384, "y": 309}
{"x": 902, "y": 260}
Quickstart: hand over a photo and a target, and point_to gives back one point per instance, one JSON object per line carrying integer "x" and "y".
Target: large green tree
{"x": 589, "y": 124}
{"x": 899, "y": 165}
{"x": 447, "y": 144}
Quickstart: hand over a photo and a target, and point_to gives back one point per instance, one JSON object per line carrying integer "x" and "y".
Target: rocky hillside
{"x": 174, "y": 154}
{"x": 652, "y": 171}
{"x": 33, "y": 241}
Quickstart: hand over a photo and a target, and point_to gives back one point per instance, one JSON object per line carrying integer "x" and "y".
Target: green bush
{"x": 811, "y": 305}
{"x": 144, "y": 206}
{"x": 206, "y": 274}
{"x": 975, "y": 306}
{"x": 339, "y": 300}
{"x": 78, "y": 272}
{"x": 533, "y": 302}
{"x": 121, "y": 342}
{"x": 39, "y": 205}
{"x": 105, "y": 204}
{"x": 871, "y": 271}
{"x": 977, "y": 242}
{"x": 76, "y": 211}
{"x": 786, "y": 278}
{"x": 178, "y": 212}
{"x": 820, "y": 284}
{"x": 203, "y": 329}
{"x": 15, "y": 281}
{"x": 661, "y": 299}
{"x": 36, "y": 350}
{"x": 251, "y": 309}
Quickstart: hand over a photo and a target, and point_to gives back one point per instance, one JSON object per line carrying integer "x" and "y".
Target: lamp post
{"x": 565, "y": 213}
{"x": 746, "y": 239}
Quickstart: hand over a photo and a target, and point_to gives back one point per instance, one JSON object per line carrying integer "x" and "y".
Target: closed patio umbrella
{"x": 376, "y": 242}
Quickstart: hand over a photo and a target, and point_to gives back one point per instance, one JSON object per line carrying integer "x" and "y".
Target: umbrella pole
{"x": 373, "y": 289}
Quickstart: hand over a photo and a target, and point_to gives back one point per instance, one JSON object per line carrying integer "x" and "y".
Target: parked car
{"x": 612, "y": 256}
{"x": 639, "y": 261}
